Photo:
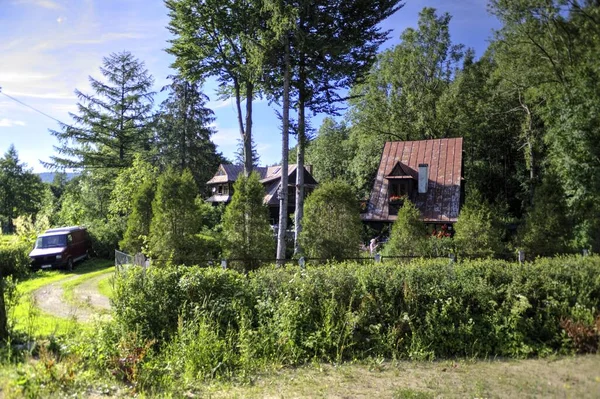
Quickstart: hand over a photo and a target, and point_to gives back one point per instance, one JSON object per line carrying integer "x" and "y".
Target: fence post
{"x": 521, "y": 256}
{"x": 585, "y": 252}
{"x": 224, "y": 263}
{"x": 377, "y": 258}
{"x": 302, "y": 263}
{"x": 452, "y": 258}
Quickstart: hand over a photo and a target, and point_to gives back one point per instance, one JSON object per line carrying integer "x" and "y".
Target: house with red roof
{"x": 429, "y": 173}
{"x": 221, "y": 185}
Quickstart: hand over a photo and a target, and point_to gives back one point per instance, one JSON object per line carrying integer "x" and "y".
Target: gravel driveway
{"x": 88, "y": 302}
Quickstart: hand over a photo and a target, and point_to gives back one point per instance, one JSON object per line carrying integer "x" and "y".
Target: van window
{"x": 51, "y": 242}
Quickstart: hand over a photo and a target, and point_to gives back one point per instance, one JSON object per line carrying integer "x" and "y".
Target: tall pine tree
{"x": 183, "y": 131}
{"x": 112, "y": 123}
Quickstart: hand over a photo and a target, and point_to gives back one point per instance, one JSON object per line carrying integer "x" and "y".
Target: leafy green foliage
{"x": 139, "y": 222}
{"x": 478, "y": 233}
{"x": 175, "y": 223}
{"x": 21, "y": 191}
{"x": 212, "y": 322}
{"x": 247, "y": 236}
{"x": 332, "y": 225}
{"x": 408, "y": 236}
{"x": 546, "y": 230}
{"x": 330, "y": 153}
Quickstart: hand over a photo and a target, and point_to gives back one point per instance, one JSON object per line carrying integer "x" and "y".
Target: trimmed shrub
{"x": 423, "y": 309}
{"x": 409, "y": 235}
{"x": 14, "y": 258}
{"x": 331, "y": 227}
{"x": 478, "y": 235}
{"x": 246, "y": 232}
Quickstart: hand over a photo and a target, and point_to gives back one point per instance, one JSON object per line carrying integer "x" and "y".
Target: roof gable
{"x": 444, "y": 159}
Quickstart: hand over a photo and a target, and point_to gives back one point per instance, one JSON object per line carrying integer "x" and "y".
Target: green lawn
{"x": 28, "y": 318}
{"x": 554, "y": 377}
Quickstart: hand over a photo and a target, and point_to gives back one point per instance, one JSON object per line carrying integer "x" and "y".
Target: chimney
{"x": 423, "y": 177}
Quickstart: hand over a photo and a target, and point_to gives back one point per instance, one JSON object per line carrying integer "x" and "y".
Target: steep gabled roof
{"x": 229, "y": 173}
{"x": 441, "y": 203}
{"x": 270, "y": 177}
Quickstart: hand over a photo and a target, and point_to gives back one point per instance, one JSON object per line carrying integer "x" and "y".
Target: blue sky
{"x": 48, "y": 48}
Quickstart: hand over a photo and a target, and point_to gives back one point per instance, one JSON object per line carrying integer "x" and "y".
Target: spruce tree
{"x": 175, "y": 222}
{"x": 246, "y": 231}
{"x": 113, "y": 123}
{"x": 332, "y": 224}
{"x": 183, "y": 131}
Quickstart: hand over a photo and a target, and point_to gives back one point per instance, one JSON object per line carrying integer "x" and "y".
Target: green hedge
{"x": 424, "y": 309}
{"x": 14, "y": 258}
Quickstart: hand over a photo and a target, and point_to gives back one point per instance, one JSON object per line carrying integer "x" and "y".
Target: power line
{"x": 33, "y": 108}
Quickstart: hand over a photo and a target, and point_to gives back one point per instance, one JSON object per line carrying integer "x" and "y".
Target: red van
{"x": 60, "y": 248}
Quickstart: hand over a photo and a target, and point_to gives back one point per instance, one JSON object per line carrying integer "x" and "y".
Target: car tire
{"x": 70, "y": 264}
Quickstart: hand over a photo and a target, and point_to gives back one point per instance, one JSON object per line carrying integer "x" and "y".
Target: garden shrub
{"x": 227, "y": 322}
{"x": 247, "y": 236}
{"x": 14, "y": 258}
{"x": 331, "y": 227}
{"x": 409, "y": 235}
{"x": 478, "y": 234}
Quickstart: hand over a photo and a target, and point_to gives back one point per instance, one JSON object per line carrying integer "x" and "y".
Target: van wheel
{"x": 70, "y": 264}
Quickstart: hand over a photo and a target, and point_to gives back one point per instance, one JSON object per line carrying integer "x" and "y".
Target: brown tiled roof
{"x": 269, "y": 176}
{"x": 441, "y": 203}
{"x": 230, "y": 173}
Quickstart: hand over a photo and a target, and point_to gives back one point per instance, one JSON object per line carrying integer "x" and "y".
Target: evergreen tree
{"x": 183, "y": 131}
{"x": 175, "y": 221}
{"x": 332, "y": 224}
{"x": 246, "y": 231}
{"x": 239, "y": 154}
{"x": 477, "y": 232}
{"x": 408, "y": 236}
{"x": 112, "y": 123}
{"x": 547, "y": 229}
{"x": 139, "y": 221}
{"x": 21, "y": 191}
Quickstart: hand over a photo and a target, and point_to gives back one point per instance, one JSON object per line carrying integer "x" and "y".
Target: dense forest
{"x": 527, "y": 109}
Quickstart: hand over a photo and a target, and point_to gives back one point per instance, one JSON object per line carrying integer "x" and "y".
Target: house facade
{"x": 429, "y": 173}
{"x": 221, "y": 185}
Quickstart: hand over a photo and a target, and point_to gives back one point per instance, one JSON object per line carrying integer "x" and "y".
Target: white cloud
{"x": 226, "y": 137}
{"x": 220, "y": 104}
{"x": 41, "y": 3}
{"x": 5, "y": 122}
{"x": 60, "y": 20}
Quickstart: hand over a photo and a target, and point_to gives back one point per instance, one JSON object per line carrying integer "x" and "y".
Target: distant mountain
{"x": 48, "y": 177}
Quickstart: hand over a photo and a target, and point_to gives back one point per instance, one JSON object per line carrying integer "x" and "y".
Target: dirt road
{"x": 87, "y": 302}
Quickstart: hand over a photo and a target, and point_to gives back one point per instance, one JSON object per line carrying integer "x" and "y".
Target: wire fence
{"x": 124, "y": 260}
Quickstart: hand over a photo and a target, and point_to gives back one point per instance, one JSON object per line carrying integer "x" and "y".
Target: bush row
{"x": 14, "y": 258}
{"x": 206, "y": 322}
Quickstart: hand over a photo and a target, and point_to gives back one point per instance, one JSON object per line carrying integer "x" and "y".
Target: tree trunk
{"x": 300, "y": 173}
{"x": 3, "y": 328}
{"x": 185, "y": 125}
{"x": 283, "y": 187}
{"x": 248, "y": 161}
